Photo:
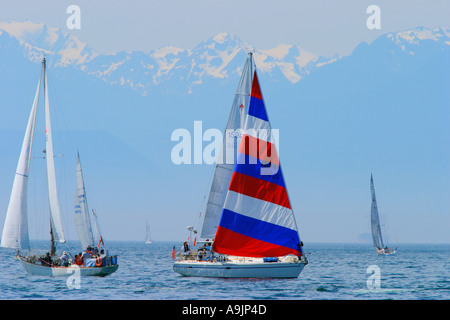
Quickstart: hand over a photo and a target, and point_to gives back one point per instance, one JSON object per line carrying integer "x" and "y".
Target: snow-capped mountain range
{"x": 219, "y": 57}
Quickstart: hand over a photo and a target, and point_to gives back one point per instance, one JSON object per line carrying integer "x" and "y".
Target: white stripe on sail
{"x": 15, "y": 230}
{"x": 260, "y": 210}
{"x": 55, "y": 212}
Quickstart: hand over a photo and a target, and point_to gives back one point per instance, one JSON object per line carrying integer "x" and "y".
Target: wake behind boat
{"x": 376, "y": 227}
{"x": 248, "y": 214}
{"x": 95, "y": 261}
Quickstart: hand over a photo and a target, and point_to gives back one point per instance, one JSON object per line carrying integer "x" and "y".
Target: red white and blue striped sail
{"x": 257, "y": 219}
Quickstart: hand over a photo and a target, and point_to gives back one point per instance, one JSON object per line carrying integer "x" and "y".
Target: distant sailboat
{"x": 15, "y": 230}
{"x": 148, "y": 240}
{"x": 249, "y": 221}
{"x": 375, "y": 225}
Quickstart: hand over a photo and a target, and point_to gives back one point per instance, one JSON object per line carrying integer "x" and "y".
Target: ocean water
{"x": 334, "y": 272}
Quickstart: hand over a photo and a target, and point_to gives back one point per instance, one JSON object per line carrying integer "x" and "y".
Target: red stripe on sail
{"x": 256, "y": 91}
{"x": 240, "y": 245}
{"x": 260, "y": 149}
{"x": 260, "y": 189}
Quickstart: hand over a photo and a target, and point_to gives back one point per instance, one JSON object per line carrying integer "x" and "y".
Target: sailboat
{"x": 148, "y": 240}
{"x": 249, "y": 223}
{"x": 15, "y": 231}
{"x": 376, "y": 227}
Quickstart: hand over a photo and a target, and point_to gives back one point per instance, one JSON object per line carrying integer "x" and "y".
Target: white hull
{"x": 239, "y": 269}
{"x": 39, "y": 270}
{"x": 386, "y": 253}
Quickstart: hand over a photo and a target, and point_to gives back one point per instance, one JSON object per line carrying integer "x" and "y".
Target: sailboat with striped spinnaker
{"x": 248, "y": 217}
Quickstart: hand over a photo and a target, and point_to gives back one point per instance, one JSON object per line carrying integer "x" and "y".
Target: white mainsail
{"x": 226, "y": 161}
{"x": 55, "y": 212}
{"x": 81, "y": 212}
{"x": 375, "y": 220}
{"x": 15, "y": 230}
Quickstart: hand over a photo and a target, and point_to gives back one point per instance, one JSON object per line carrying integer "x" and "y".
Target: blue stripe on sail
{"x": 257, "y": 109}
{"x": 261, "y": 230}
{"x": 252, "y": 167}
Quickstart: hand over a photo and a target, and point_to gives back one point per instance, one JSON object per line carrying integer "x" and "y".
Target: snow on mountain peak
{"x": 164, "y": 51}
{"x": 221, "y": 37}
{"x": 39, "y": 40}
{"x": 21, "y": 29}
{"x": 415, "y": 36}
{"x": 278, "y": 52}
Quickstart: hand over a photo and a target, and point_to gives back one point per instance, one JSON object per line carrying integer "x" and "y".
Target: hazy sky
{"x": 324, "y": 27}
{"x": 321, "y": 27}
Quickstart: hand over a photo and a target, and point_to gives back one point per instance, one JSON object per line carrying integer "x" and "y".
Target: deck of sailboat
{"x": 240, "y": 268}
{"x": 61, "y": 271}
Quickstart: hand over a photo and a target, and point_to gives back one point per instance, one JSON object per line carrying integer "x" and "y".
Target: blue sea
{"x": 334, "y": 272}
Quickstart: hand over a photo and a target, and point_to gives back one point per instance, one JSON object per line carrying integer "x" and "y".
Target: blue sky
{"x": 321, "y": 27}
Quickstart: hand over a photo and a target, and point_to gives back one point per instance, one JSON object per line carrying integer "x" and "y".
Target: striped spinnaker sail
{"x": 257, "y": 219}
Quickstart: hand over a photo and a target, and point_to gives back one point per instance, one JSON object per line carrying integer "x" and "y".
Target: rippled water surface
{"x": 335, "y": 271}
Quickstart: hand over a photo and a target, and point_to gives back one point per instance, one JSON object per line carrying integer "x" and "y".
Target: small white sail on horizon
{"x": 148, "y": 239}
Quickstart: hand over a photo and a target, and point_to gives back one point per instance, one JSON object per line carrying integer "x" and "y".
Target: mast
{"x": 52, "y": 241}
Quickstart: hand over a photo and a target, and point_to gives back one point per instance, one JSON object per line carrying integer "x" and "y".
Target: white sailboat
{"x": 15, "y": 230}
{"x": 148, "y": 240}
{"x": 248, "y": 216}
{"x": 376, "y": 227}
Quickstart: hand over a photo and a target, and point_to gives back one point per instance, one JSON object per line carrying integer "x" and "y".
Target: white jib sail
{"x": 15, "y": 230}
{"x": 55, "y": 212}
{"x": 81, "y": 212}
{"x": 226, "y": 161}
{"x": 375, "y": 220}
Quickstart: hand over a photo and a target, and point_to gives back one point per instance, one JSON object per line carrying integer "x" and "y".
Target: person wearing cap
{"x": 64, "y": 259}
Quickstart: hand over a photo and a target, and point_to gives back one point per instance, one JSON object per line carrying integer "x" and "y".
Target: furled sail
{"x": 15, "y": 230}
{"x": 375, "y": 220}
{"x": 227, "y": 157}
{"x": 81, "y": 213}
{"x": 257, "y": 219}
{"x": 55, "y": 212}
